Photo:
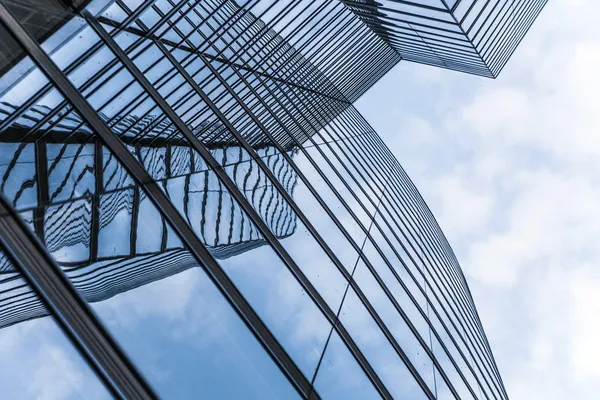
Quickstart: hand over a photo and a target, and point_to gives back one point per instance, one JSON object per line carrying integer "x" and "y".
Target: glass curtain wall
{"x": 194, "y": 176}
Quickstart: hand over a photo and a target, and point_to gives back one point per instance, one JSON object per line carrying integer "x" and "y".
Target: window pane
{"x": 36, "y": 358}
{"x": 340, "y": 376}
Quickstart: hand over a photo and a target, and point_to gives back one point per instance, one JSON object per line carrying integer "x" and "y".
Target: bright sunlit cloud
{"x": 510, "y": 168}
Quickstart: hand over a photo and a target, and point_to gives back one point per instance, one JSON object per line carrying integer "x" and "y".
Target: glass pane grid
{"x": 236, "y": 131}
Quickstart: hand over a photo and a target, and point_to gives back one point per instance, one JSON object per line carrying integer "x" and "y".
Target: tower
{"x": 190, "y": 193}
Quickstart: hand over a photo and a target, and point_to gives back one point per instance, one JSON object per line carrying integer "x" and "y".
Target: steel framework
{"x": 142, "y": 139}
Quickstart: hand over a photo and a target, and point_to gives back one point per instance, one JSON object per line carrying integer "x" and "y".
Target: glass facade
{"x": 192, "y": 207}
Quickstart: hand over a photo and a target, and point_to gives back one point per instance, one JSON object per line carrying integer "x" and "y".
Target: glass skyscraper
{"x": 193, "y": 208}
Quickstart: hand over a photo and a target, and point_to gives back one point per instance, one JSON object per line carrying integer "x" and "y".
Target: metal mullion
{"x": 120, "y": 116}
{"x": 236, "y": 83}
{"x": 485, "y": 25}
{"x": 388, "y": 59}
{"x": 384, "y": 68}
{"x": 448, "y": 52}
{"x": 440, "y": 47}
{"x": 414, "y": 4}
{"x": 518, "y": 27}
{"x": 498, "y": 31}
{"x": 485, "y": 37}
{"x": 178, "y": 223}
{"x": 468, "y": 11}
{"x": 88, "y": 83}
{"x": 471, "y": 300}
{"x": 418, "y": 16}
{"x": 72, "y": 313}
{"x": 342, "y": 38}
{"x": 364, "y": 51}
{"x": 333, "y": 61}
{"x": 187, "y": 58}
{"x": 237, "y": 112}
{"x": 460, "y": 283}
{"x": 403, "y": 178}
{"x": 319, "y": 239}
{"x": 235, "y": 192}
{"x": 309, "y": 30}
{"x": 45, "y": 89}
{"x": 525, "y": 14}
{"x": 288, "y": 37}
{"x": 455, "y": 6}
{"x": 427, "y": 213}
{"x": 212, "y": 13}
{"x": 43, "y": 192}
{"x": 408, "y": 292}
{"x": 72, "y": 67}
{"x": 83, "y": 87}
{"x": 446, "y": 294}
{"x": 414, "y": 228}
{"x": 398, "y": 31}
{"x": 373, "y": 157}
{"x": 277, "y": 46}
{"x": 391, "y": 60}
{"x": 180, "y": 101}
{"x": 316, "y": 42}
{"x": 288, "y": 66}
{"x": 84, "y": 57}
{"x": 442, "y": 342}
{"x": 460, "y": 309}
{"x": 414, "y": 240}
{"x": 508, "y": 53}
{"x": 344, "y": 165}
{"x": 359, "y": 223}
{"x": 296, "y": 34}
{"x": 342, "y": 59}
{"x": 299, "y": 68}
{"x": 318, "y": 36}
{"x": 265, "y": 30}
{"x": 367, "y": 262}
{"x": 95, "y": 201}
{"x": 462, "y": 286}
{"x": 135, "y": 211}
{"x": 457, "y": 330}
{"x": 230, "y": 16}
{"x": 447, "y": 61}
{"x": 394, "y": 19}
{"x": 29, "y": 134}
{"x": 269, "y": 76}
{"x": 421, "y": 41}
{"x": 427, "y": 297}
{"x": 270, "y": 237}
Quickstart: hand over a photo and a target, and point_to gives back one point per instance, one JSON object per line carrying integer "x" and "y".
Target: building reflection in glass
{"x": 90, "y": 223}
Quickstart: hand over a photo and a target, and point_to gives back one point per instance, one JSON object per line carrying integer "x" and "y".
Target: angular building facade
{"x": 192, "y": 206}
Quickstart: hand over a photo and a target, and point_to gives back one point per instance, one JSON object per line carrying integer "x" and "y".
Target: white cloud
{"x": 584, "y": 347}
{"x": 39, "y": 363}
{"x": 510, "y": 168}
{"x": 56, "y": 376}
{"x": 466, "y": 209}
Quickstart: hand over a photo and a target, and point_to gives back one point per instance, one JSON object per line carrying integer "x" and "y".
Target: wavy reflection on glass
{"x": 112, "y": 240}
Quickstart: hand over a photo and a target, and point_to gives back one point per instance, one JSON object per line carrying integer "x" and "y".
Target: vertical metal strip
{"x": 95, "y": 201}
{"x": 72, "y": 312}
{"x": 241, "y": 199}
{"x": 123, "y": 371}
{"x": 41, "y": 175}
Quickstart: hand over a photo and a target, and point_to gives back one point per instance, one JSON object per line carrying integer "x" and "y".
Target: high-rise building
{"x": 192, "y": 206}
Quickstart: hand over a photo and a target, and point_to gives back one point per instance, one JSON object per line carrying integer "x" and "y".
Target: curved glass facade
{"x": 189, "y": 194}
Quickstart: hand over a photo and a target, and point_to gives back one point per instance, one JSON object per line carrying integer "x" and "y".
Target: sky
{"x": 509, "y": 168}
{"x": 506, "y": 165}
